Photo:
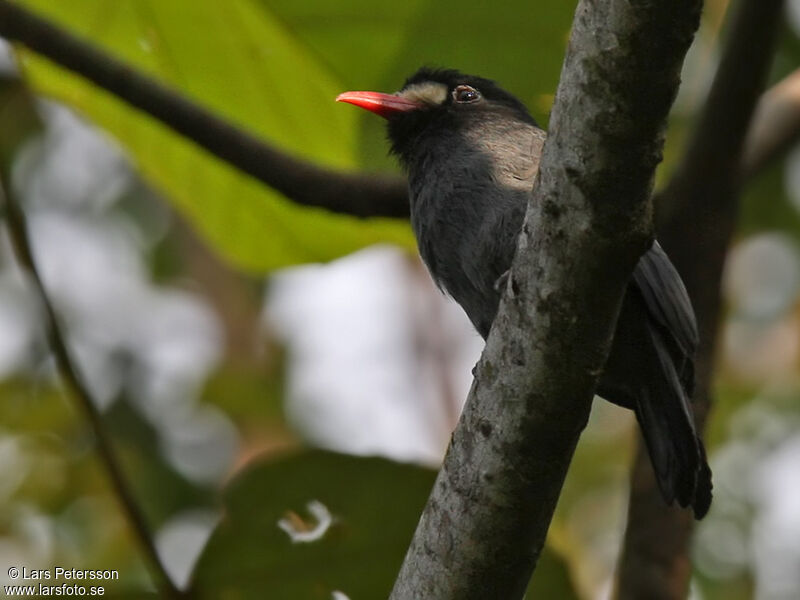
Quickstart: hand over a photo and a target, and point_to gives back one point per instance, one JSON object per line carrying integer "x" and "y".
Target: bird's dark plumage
{"x": 472, "y": 152}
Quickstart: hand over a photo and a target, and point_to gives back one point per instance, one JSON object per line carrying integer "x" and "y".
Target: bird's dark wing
{"x": 650, "y": 369}
{"x": 666, "y": 298}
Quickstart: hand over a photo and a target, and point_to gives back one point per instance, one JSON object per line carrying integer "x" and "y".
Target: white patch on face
{"x": 429, "y": 92}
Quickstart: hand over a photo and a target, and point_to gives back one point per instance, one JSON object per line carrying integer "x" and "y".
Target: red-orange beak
{"x": 384, "y": 105}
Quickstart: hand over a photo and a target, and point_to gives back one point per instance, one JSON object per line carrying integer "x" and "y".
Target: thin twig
{"x": 700, "y": 204}
{"x": 17, "y": 227}
{"x": 305, "y": 183}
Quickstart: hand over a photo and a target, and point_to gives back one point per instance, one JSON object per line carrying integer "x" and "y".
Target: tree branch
{"x": 18, "y": 120}
{"x": 587, "y": 224}
{"x": 775, "y": 126}
{"x": 303, "y": 182}
{"x": 701, "y": 203}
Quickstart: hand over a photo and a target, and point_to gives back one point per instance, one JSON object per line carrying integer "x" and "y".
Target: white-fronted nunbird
{"x": 471, "y": 151}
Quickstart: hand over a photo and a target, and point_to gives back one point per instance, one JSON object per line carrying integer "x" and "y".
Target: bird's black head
{"x": 438, "y": 100}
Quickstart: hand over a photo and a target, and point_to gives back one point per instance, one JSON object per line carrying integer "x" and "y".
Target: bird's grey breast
{"x": 468, "y": 197}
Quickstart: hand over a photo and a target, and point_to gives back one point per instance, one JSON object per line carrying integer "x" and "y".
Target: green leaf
{"x": 274, "y": 67}
{"x": 375, "y": 503}
{"x": 237, "y": 60}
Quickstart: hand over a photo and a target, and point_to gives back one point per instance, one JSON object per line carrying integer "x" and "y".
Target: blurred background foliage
{"x": 222, "y": 372}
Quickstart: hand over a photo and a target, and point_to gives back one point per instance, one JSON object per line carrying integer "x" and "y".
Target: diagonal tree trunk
{"x": 586, "y": 226}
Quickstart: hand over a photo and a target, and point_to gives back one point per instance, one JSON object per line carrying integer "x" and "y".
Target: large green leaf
{"x": 375, "y": 504}
{"x": 235, "y": 59}
{"x": 274, "y": 67}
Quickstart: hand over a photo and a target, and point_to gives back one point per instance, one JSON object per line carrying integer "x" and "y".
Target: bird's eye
{"x": 466, "y": 94}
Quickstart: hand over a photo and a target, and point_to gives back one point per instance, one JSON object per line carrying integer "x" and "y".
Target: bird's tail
{"x": 664, "y": 412}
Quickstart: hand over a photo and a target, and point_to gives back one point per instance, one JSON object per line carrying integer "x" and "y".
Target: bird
{"x": 471, "y": 152}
